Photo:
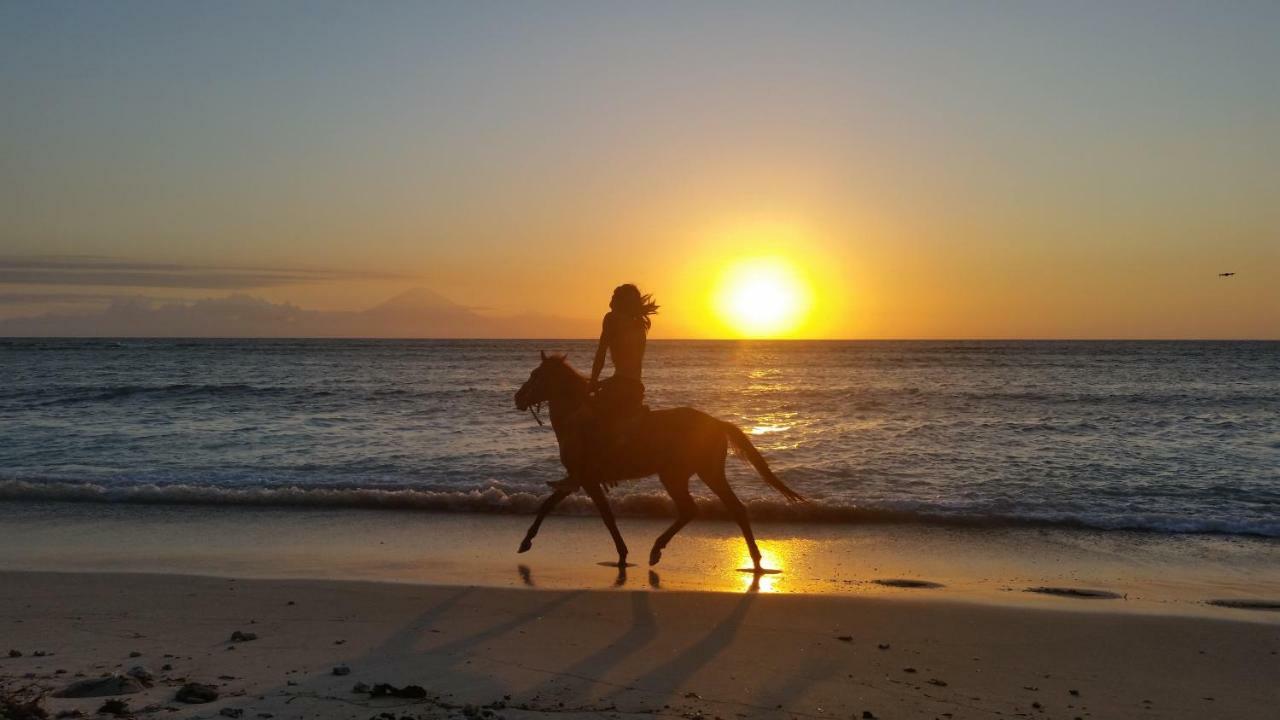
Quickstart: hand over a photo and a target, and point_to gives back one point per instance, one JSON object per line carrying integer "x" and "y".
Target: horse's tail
{"x": 749, "y": 452}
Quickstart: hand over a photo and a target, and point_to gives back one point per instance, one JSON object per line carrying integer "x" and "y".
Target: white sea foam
{"x": 495, "y": 500}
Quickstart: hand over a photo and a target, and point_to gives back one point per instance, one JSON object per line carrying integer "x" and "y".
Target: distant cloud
{"x": 417, "y": 313}
{"x": 84, "y": 270}
{"x": 52, "y": 298}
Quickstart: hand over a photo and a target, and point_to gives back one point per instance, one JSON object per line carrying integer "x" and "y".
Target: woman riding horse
{"x": 590, "y": 417}
{"x": 623, "y": 334}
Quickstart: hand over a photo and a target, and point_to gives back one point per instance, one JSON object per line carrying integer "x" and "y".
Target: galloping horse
{"x": 673, "y": 444}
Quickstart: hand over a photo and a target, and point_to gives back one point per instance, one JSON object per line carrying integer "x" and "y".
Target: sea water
{"x": 1163, "y": 437}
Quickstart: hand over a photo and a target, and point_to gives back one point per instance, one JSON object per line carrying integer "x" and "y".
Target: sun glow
{"x": 763, "y": 297}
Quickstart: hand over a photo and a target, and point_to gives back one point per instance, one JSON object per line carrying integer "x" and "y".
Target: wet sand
{"x": 1084, "y": 571}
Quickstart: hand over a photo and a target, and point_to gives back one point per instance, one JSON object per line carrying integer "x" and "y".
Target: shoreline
{"x": 1133, "y": 573}
{"x": 573, "y": 653}
{"x": 496, "y": 500}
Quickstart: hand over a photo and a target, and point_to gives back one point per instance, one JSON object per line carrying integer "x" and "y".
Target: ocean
{"x": 1160, "y": 437}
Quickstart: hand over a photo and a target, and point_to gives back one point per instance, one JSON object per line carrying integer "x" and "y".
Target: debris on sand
{"x": 1241, "y": 604}
{"x": 196, "y": 693}
{"x": 141, "y": 674}
{"x": 119, "y": 708}
{"x": 101, "y": 687}
{"x": 1082, "y": 593}
{"x": 15, "y": 653}
{"x": 341, "y": 670}
{"x": 408, "y": 692}
{"x": 845, "y": 638}
{"x": 906, "y": 583}
{"x": 15, "y": 707}
{"x": 231, "y": 712}
{"x": 239, "y": 636}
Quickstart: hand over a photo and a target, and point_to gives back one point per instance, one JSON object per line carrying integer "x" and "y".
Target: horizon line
{"x": 670, "y": 339}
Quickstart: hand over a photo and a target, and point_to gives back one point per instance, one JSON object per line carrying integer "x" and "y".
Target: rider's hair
{"x": 628, "y": 301}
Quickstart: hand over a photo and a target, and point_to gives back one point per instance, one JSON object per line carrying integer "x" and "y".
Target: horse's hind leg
{"x": 715, "y": 479}
{"x": 677, "y": 486}
{"x": 606, "y": 514}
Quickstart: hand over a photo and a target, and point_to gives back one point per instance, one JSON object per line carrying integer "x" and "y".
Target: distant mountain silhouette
{"x": 415, "y": 300}
{"x": 416, "y": 313}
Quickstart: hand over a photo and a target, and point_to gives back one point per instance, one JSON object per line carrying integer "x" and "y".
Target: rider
{"x": 613, "y": 400}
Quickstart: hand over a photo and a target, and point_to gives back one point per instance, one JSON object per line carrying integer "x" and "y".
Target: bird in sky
{"x": 1226, "y": 274}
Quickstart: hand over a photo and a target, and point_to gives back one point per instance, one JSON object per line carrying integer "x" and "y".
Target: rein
{"x": 534, "y": 409}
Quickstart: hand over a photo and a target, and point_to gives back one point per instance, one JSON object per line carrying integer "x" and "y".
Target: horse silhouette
{"x": 674, "y": 444}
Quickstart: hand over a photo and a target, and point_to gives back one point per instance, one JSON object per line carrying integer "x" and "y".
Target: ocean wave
{"x": 77, "y": 396}
{"x": 496, "y": 500}
{"x": 108, "y": 394}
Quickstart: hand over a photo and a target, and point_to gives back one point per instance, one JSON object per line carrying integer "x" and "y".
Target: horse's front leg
{"x": 547, "y": 506}
{"x": 606, "y": 514}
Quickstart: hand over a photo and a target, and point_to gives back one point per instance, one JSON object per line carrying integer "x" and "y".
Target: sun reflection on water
{"x": 763, "y": 429}
{"x": 777, "y": 558}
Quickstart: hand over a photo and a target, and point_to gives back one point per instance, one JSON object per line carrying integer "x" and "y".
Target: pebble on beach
{"x": 101, "y": 687}
{"x": 196, "y": 693}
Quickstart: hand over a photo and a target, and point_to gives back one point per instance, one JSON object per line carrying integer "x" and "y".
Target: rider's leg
{"x": 573, "y": 450}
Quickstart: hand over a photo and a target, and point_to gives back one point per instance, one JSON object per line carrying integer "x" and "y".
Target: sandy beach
{"x": 442, "y": 602}
{"x": 489, "y": 652}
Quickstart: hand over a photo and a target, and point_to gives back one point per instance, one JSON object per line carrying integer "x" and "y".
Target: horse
{"x": 674, "y": 444}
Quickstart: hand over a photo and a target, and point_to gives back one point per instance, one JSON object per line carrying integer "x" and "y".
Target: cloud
{"x": 28, "y": 298}
{"x": 418, "y": 313}
{"x": 82, "y": 270}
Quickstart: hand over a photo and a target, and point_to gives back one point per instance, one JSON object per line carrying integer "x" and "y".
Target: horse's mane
{"x": 560, "y": 361}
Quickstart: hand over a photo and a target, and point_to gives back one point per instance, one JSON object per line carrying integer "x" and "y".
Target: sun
{"x": 762, "y": 297}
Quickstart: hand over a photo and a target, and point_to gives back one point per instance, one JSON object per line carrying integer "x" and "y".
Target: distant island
{"x": 416, "y": 313}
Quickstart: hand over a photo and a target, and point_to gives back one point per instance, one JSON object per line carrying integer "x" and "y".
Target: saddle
{"x": 609, "y": 441}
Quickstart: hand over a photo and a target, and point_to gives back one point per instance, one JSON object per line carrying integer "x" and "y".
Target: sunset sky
{"x": 917, "y": 170}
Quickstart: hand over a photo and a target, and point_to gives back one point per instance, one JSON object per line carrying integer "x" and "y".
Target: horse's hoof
{"x": 655, "y": 555}
{"x": 525, "y": 546}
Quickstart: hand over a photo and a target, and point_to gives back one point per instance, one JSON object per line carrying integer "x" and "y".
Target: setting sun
{"x": 763, "y": 297}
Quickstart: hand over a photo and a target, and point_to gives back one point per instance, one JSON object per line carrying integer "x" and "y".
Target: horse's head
{"x": 541, "y": 383}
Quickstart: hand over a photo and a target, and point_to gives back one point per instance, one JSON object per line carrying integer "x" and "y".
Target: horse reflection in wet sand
{"x": 674, "y": 444}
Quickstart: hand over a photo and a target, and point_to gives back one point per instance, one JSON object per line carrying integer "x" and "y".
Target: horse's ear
{"x": 543, "y": 353}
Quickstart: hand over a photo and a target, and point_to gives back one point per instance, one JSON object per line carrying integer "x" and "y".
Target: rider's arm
{"x": 598, "y": 364}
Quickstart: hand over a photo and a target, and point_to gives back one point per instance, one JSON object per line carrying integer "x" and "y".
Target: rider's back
{"x": 627, "y": 339}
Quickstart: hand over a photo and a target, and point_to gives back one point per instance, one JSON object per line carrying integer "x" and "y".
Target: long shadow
{"x": 663, "y": 680}
{"x": 403, "y": 640}
{"x": 642, "y": 630}
{"x": 503, "y": 628}
{"x": 796, "y": 681}
{"x": 447, "y": 656}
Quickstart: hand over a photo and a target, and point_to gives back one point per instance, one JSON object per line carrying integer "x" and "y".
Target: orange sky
{"x": 950, "y": 172}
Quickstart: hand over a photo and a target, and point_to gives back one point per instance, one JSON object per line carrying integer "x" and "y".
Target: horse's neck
{"x": 564, "y": 406}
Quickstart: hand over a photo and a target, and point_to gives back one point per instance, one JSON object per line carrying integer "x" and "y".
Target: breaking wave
{"x": 496, "y": 500}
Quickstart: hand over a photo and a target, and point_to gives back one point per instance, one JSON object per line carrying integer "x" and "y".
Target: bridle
{"x": 534, "y": 410}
